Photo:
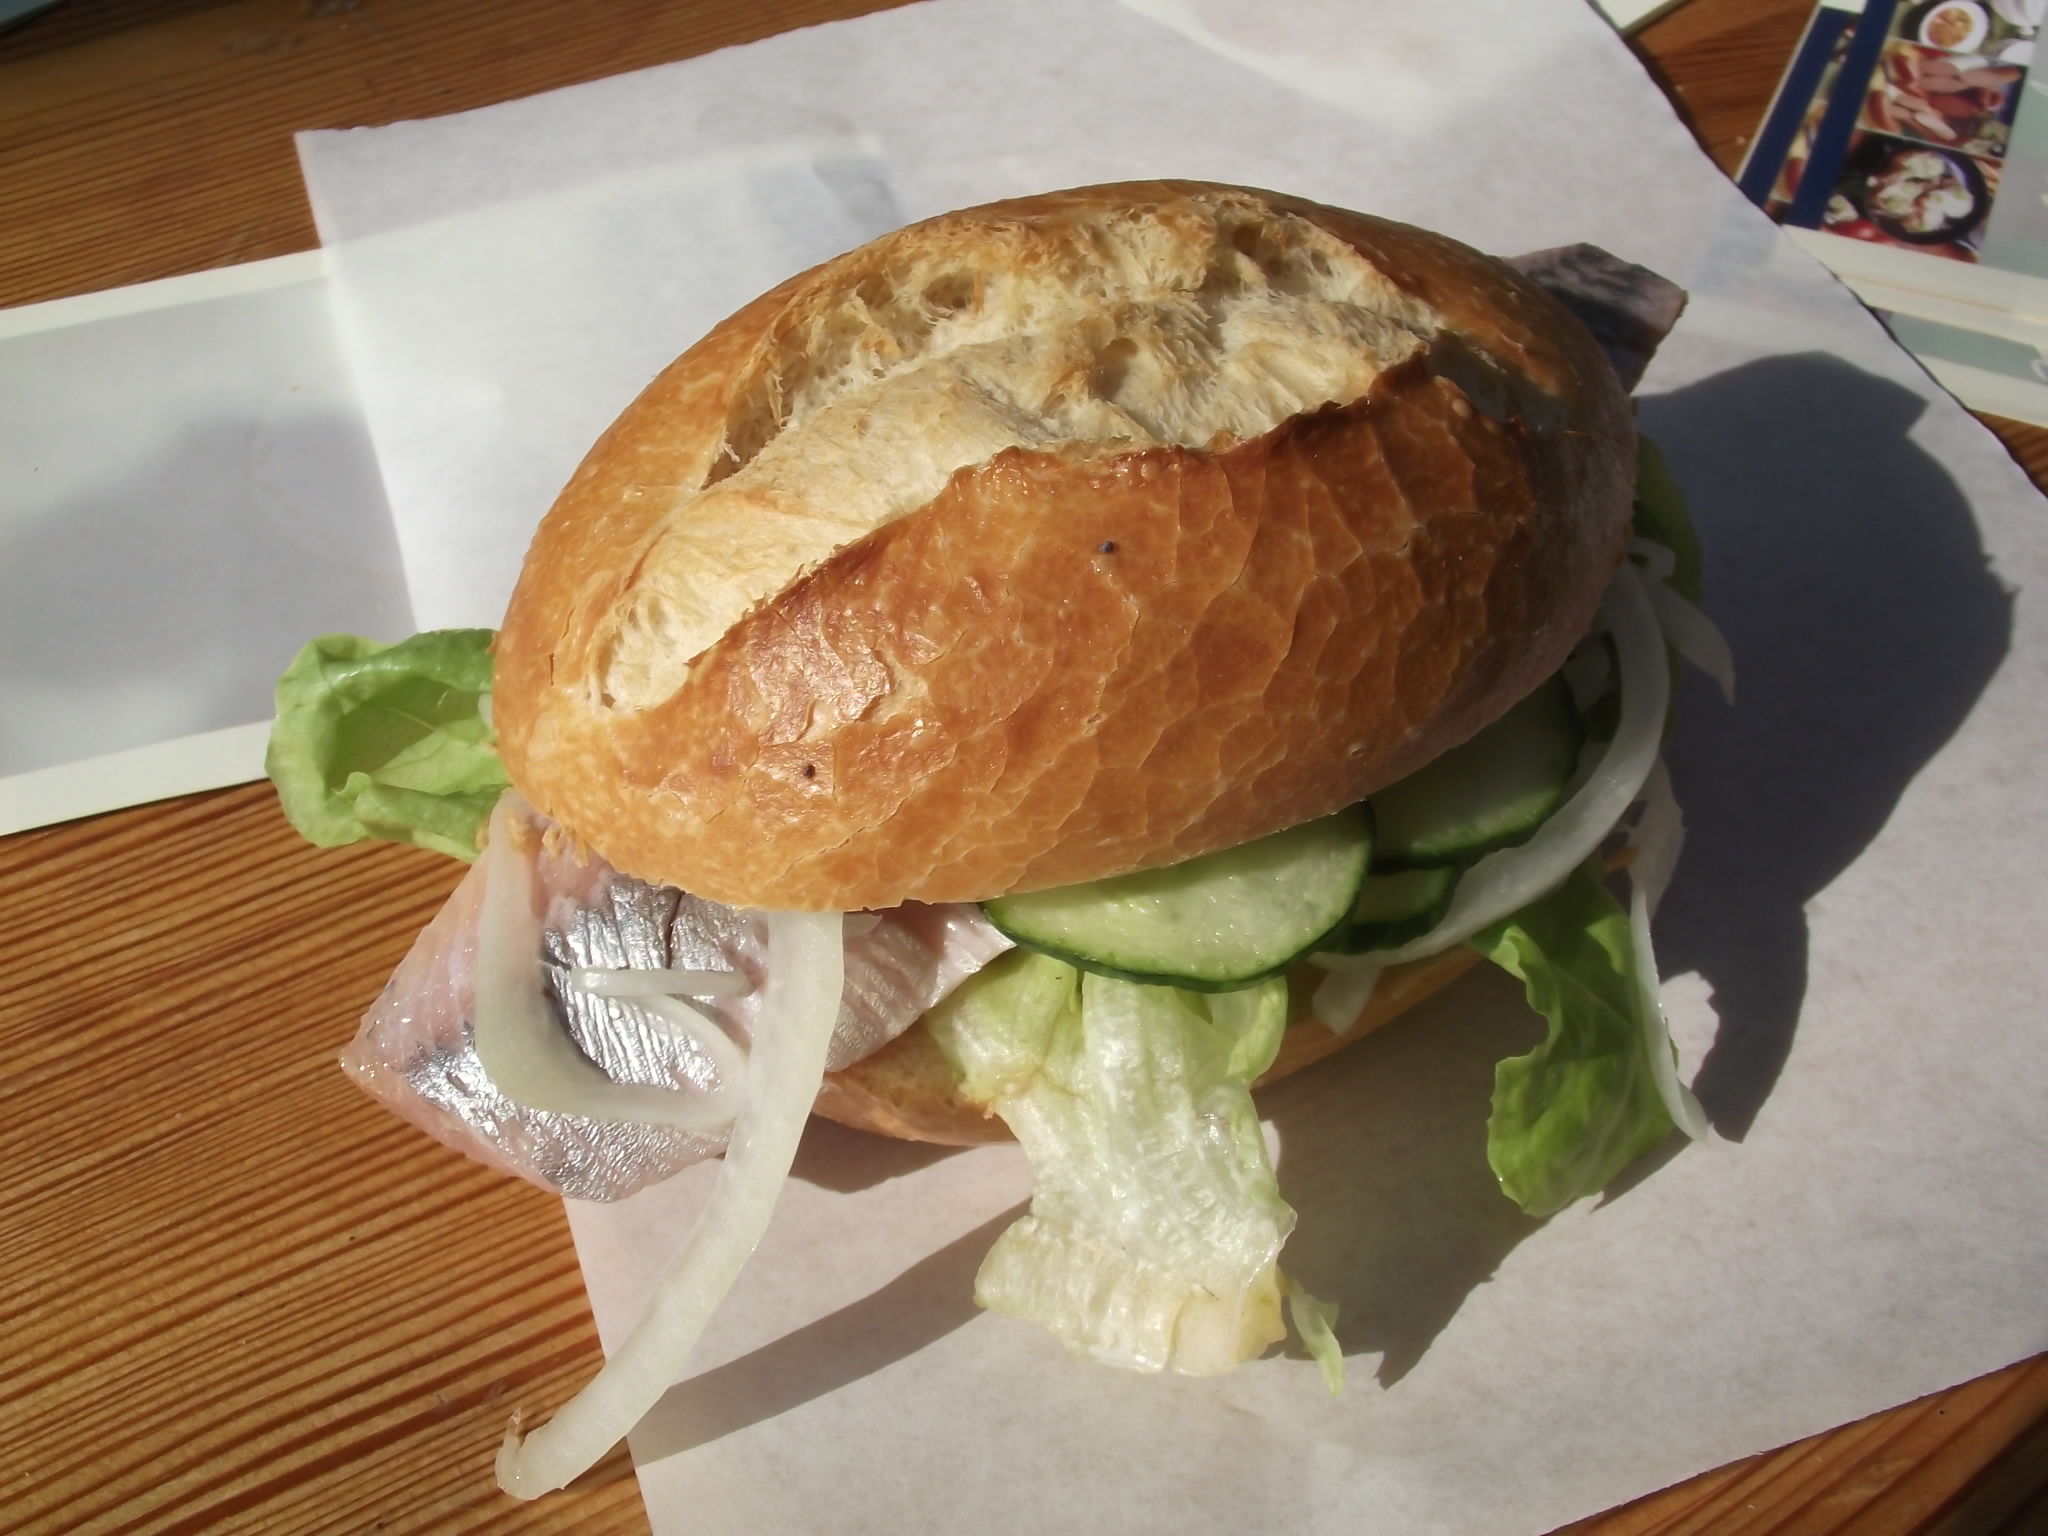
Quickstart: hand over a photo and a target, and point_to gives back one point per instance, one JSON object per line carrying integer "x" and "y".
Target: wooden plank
{"x": 233, "y": 1289}
{"x": 1958, "y": 1463}
{"x": 156, "y": 138}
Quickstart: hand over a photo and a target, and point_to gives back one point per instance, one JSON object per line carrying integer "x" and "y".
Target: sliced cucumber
{"x": 1214, "y": 923}
{"x": 1392, "y": 909}
{"x": 1490, "y": 792}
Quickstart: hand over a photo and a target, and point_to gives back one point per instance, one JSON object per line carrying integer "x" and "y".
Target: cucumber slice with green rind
{"x": 1212, "y": 924}
{"x": 1392, "y": 909}
{"x": 1490, "y": 792}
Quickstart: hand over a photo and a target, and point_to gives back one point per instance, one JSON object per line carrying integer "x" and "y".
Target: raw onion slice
{"x": 1659, "y": 560}
{"x": 1506, "y": 881}
{"x": 522, "y": 1046}
{"x": 1678, "y": 1099}
{"x": 1341, "y": 996}
{"x": 1509, "y": 880}
{"x": 799, "y": 1007}
{"x": 1657, "y": 837}
{"x": 1589, "y": 673}
{"x": 623, "y": 981}
{"x": 1692, "y": 634}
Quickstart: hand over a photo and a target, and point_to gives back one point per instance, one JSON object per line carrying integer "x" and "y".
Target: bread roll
{"x": 1059, "y": 538}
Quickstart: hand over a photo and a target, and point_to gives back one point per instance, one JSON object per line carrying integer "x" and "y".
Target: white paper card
{"x": 187, "y": 494}
{"x": 1856, "y": 988}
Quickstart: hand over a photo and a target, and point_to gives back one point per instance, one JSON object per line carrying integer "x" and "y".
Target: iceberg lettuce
{"x": 1156, "y": 1226}
{"x": 1155, "y": 1231}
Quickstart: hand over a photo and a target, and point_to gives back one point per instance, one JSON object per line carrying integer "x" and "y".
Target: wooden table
{"x": 234, "y": 1293}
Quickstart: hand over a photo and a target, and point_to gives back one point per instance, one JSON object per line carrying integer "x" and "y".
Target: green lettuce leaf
{"x": 1156, "y": 1224}
{"x": 390, "y": 741}
{"x": 1315, "y": 1322}
{"x": 1583, "y": 1105}
{"x": 1661, "y": 516}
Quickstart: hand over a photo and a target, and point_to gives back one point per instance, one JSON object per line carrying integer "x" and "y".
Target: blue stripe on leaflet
{"x": 1788, "y": 109}
{"x": 1831, "y": 141}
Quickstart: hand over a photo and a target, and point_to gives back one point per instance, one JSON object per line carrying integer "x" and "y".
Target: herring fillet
{"x": 415, "y": 1052}
{"x": 787, "y": 1064}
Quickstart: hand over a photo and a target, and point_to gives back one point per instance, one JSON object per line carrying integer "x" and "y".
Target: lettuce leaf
{"x": 1583, "y": 1105}
{"x": 389, "y": 741}
{"x": 1156, "y": 1225}
{"x": 1661, "y": 516}
{"x": 1315, "y": 1322}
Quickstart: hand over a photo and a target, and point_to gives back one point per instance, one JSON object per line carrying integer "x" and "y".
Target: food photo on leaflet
{"x": 1901, "y": 132}
{"x": 1962, "y": 104}
{"x": 776, "y": 802}
{"x": 1906, "y": 150}
{"x": 1895, "y": 192}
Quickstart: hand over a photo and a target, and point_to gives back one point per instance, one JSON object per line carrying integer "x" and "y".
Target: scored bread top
{"x": 1057, "y": 538}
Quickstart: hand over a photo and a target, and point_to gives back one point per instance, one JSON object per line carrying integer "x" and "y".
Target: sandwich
{"x": 1043, "y": 674}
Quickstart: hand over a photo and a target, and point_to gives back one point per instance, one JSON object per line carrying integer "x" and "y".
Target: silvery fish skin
{"x": 1629, "y": 309}
{"x": 625, "y": 925}
{"x": 416, "y": 1051}
{"x": 898, "y": 964}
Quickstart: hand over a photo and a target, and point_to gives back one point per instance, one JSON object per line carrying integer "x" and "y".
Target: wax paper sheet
{"x": 1856, "y": 990}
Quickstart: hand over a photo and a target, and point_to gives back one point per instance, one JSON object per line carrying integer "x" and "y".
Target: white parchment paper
{"x": 1857, "y": 990}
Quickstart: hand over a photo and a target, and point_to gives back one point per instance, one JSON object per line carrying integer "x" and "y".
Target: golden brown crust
{"x": 909, "y": 1091}
{"x": 1083, "y": 659}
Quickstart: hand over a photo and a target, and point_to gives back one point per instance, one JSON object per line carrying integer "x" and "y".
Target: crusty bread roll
{"x": 1058, "y": 538}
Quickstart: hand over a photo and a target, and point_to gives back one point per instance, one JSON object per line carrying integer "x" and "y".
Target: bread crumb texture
{"x": 1196, "y": 323}
{"x": 1057, "y": 538}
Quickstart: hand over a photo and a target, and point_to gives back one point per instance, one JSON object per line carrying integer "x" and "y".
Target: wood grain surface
{"x": 234, "y": 1295}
